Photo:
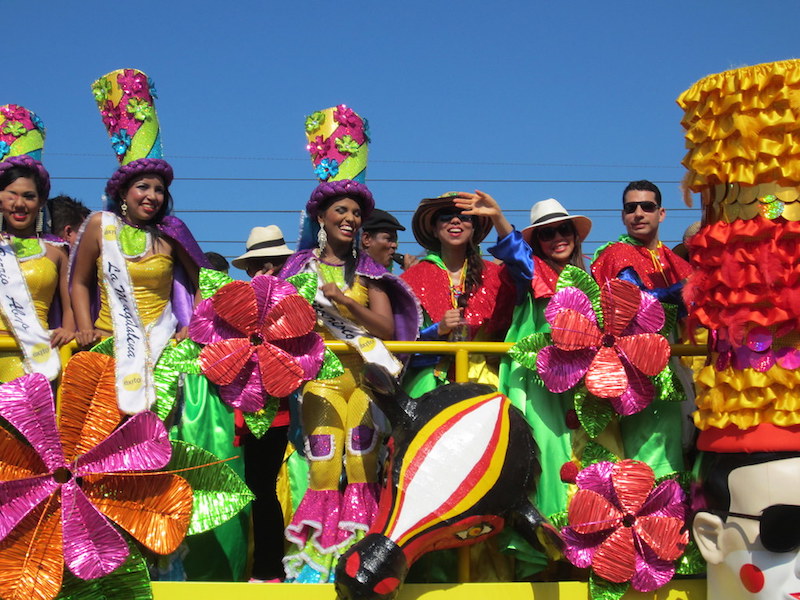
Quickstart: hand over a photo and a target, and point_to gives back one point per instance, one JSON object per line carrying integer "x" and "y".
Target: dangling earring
{"x": 40, "y": 221}
{"x": 322, "y": 239}
{"x": 355, "y": 253}
{"x": 124, "y": 208}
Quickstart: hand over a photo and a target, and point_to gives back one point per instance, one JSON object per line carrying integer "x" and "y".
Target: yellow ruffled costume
{"x": 41, "y": 275}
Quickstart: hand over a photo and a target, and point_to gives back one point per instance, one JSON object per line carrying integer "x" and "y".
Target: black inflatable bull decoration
{"x": 461, "y": 467}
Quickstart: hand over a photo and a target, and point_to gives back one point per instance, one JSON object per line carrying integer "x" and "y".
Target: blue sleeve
{"x": 517, "y": 256}
{"x": 670, "y": 295}
{"x": 430, "y": 333}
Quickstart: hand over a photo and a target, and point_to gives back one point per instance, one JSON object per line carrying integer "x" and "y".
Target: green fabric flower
{"x": 101, "y": 88}
{"x": 346, "y": 145}
{"x": 314, "y": 121}
{"x": 15, "y": 128}
{"x": 140, "y": 109}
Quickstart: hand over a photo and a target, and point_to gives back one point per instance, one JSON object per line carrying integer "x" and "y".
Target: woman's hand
{"x": 482, "y": 204}
{"x": 450, "y": 320}
{"x": 86, "y": 337}
{"x": 332, "y": 292}
{"x": 181, "y": 334}
{"x": 60, "y": 337}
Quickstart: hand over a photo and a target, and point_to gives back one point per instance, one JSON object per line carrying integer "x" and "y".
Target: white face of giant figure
{"x": 739, "y": 567}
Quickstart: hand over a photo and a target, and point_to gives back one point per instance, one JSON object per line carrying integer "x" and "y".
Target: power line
{"x": 382, "y": 180}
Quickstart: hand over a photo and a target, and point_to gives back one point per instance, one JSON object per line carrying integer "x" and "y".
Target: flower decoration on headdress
{"x": 347, "y": 145}
{"x": 615, "y": 350}
{"x": 314, "y": 121}
{"x": 4, "y": 149}
{"x": 140, "y": 109}
{"x": 37, "y": 122}
{"x": 320, "y": 147}
{"x": 14, "y": 112}
{"x": 121, "y": 141}
{"x": 624, "y": 526}
{"x": 329, "y": 167}
{"x": 347, "y": 117}
{"x": 14, "y": 128}
{"x": 101, "y": 89}
{"x": 133, "y": 82}
{"x": 62, "y": 488}
{"x": 259, "y": 340}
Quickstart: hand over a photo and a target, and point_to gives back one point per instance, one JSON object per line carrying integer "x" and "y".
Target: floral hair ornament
{"x": 125, "y": 98}
{"x": 66, "y": 485}
{"x": 609, "y": 338}
{"x": 259, "y": 340}
{"x": 22, "y": 135}
{"x": 626, "y": 527}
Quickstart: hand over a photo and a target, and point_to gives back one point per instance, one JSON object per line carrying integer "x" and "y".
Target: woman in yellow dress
{"x": 33, "y": 265}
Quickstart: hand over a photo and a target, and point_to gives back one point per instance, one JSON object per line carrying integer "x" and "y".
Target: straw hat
{"x": 423, "y": 223}
{"x": 549, "y": 212}
{"x": 263, "y": 242}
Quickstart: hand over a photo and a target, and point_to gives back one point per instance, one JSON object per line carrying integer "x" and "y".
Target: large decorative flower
{"x": 616, "y": 359}
{"x": 61, "y": 491}
{"x": 623, "y": 528}
{"x": 259, "y": 340}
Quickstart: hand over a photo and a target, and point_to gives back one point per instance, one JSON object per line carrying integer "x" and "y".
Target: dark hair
{"x": 115, "y": 204}
{"x": 575, "y": 259}
{"x": 474, "y": 278}
{"x": 64, "y": 211}
{"x": 643, "y": 186}
{"x": 351, "y": 258}
{"x": 218, "y": 262}
{"x": 9, "y": 176}
{"x": 715, "y": 468}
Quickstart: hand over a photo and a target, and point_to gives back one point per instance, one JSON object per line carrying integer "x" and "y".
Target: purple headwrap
{"x": 26, "y": 161}
{"x": 343, "y": 187}
{"x": 125, "y": 173}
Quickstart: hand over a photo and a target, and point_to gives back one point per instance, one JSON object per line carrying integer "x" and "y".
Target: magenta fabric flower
{"x": 319, "y": 148}
{"x": 618, "y": 360}
{"x": 134, "y": 83}
{"x": 347, "y": 117}
{"x": 61, "y": 488}
{"x": 623, "y": 528}
{"x": 259, "y": 339}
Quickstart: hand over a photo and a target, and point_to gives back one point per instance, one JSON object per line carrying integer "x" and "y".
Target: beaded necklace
{"x": 134, "y": 242}
{"x": 456, "y": 289}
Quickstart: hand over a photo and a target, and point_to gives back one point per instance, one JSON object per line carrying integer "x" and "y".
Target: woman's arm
{"x": 377, "y": 318}
{"x": 83, "y": 277}
{"x": 193, "y": 273}
{"x": 66, "y": 332}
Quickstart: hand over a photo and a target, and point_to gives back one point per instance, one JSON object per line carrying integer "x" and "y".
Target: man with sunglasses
{"x": 639, "y": 256}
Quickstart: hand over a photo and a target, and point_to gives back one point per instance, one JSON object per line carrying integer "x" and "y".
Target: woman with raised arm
{"x": 35, "y": 308}
{"x": 144, "y": 261}
{"x": 357, "y": 302}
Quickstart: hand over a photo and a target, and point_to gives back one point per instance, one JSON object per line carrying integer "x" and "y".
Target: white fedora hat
{"x": 550, "y": 211}
{"x": 263, "y": 242}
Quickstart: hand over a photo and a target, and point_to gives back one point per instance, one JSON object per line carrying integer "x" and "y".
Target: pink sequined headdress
{"x": 22, "y": 136}
{"x": 126, "y": 99}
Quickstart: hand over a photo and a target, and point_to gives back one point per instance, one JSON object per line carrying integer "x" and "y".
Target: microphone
{"x": 398, "y": 258}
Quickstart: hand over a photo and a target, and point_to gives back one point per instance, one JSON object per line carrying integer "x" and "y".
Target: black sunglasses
{"x": 446, "y": 217}
{"x": 648, "y": 207}
{"x": 547, "y": 234}
{"x": 778, "y": 526}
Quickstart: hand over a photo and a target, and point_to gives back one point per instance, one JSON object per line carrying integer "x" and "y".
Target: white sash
{"x": 19, "y": 311}
{"x": 371, "y": 349}
{"x": 136, "y": 348}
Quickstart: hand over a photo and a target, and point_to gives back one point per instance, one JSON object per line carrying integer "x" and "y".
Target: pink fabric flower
{"x": 134, "y": 83}
{"x": 347, "y": 117}
{"x": 616, "y": 361}
{"x": 259, "y": 340}
{"x": 60, "y": 491}
{"x": 319, "y": 148}
{"x": 623, "y": 528}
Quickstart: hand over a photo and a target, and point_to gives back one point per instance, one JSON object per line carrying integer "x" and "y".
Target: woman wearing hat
{"x": 463, "y": 297}
{"x": 144, "y": 261}
{"x": 360, "y": 303}
{"x": 33, "y": 266}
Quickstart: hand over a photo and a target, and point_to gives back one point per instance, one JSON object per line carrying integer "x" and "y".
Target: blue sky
{"x": 525, "y": 100}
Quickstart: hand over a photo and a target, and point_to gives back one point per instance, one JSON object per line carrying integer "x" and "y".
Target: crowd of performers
{"x": 133, "y": 273}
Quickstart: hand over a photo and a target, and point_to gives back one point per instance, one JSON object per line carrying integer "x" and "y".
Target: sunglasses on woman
{"x": 548, "y": 234}
{"x": 446, "y": 217}
{"x": 778, "y": 526}
{"x": 648, "y": 207}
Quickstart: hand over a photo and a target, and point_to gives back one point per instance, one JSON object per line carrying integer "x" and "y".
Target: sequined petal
{"x": 27, "y": 404}
{"x": 140, "y": 444}
{"x": 597, "y": 477}
{"x": 637, "y": 395}
{"x": 290, "y": 318}
{"x": 222, "y": 361}
{"x": 580, "y": 548}
{"x": 245, "y": 391}
{"x": 663, "y": 535}
{"x": 572, "y": 298}
{"x": 206, "y": 327}
{"x": 667, "y": 500}
{"x": 648, "y": 352}
{"x": 236, "y": 304}
{"x": 632, "y": 480}
{"x": 17, "y": 460}
{"x": 19, "y": 497}
{"x": 269, "y": 291}
{"x": 89, "y": 410}
{"x": 31, "y": 563}
{"x": 606, "y": 376}
{"x": 561, "y": 370}
{"x": 308, "y": 351}
{"x": 615, "y": 559}
{"x": 620, "y": 301}
{"x": 573, "y": 331}
{"x": 92, "y": 546}
{"x": 650, "y": 317}
{"x": 589, "y": 512}
{"x": 651, "y": 572}
{"x": 280, "y": 372}
{"x": 154, "y": 507}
